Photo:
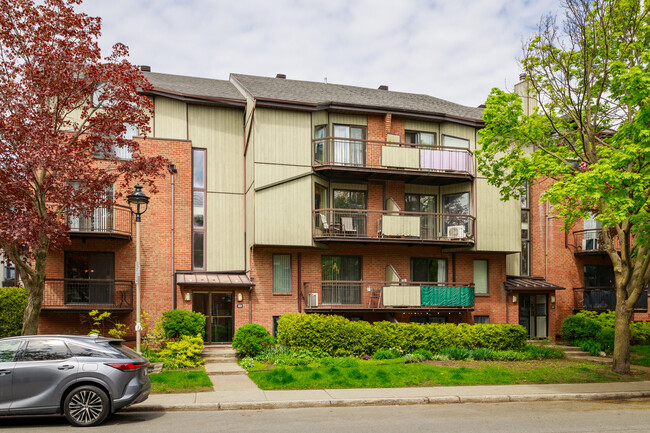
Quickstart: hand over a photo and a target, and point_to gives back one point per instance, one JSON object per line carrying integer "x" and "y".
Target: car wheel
{"x": 86, "y": 406}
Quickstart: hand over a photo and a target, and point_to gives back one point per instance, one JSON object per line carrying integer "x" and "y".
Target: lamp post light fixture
{"x": 138, "y": 202}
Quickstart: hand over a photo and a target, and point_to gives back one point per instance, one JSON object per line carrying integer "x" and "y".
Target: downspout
{"x": 546, "y": 218}
{"x": 507, "y": 305}
{"x": 250, "y": 305}
{"x": 173, "y": 170}
{"x": 453, "y": 267}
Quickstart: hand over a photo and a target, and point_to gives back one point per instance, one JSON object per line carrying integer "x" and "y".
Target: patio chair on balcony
{"x": 375, "y": 299}
{"x": 327, "y": 227}
{"x": 348, "y": 227}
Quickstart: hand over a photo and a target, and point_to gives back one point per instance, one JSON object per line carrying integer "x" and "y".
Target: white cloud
{"x": 456, "y": 50}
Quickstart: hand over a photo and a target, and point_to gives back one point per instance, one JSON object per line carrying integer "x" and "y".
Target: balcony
{"x": 386, "y": 296}
{"x": 349, "y": 225}
{"x": 590, "y": 241}
{"x": 71, "y": 294}
{"x": 603, "y": 298}
{"x": 418, "y": 163}
{"x": 112, "y": 222}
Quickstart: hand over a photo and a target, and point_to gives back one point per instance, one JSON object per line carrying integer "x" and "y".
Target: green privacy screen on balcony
{"x": 445, "y": 296}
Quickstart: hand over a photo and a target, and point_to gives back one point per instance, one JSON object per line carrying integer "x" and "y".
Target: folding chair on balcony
{"x": 327, "y": 227}
{"x": 375, "y": 298}
{"x": 348, "y": 227}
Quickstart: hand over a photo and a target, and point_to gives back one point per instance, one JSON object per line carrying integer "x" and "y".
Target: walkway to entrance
{"x": 226, "y": 375}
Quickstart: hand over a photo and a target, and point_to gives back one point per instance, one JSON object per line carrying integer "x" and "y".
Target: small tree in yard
{"x": 590, "y": 135}
{"x": 62, "y": 104}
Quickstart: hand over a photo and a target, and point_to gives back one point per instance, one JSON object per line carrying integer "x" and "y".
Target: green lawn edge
{"x": 180, "y": 381}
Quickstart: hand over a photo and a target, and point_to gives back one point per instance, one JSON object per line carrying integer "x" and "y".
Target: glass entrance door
{"x": 217, "y": 307}
{"x": 533, "y": 314}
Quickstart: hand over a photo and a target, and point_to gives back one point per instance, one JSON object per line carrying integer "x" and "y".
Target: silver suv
{"x": 85, "y": 378}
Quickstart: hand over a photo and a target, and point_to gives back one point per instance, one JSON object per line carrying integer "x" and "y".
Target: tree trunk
{"x": 622, "y": 335}
{"x": 35, "y": 286}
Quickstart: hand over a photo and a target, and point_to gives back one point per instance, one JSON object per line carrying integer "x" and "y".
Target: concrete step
{"x": 215, "y": 355}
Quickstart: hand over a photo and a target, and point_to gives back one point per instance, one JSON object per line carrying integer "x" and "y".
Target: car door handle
{"x": 5, "y": 372}
{"x": 66, "y": 367}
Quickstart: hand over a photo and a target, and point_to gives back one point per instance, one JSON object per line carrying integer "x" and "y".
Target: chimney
{"x": 526, "y": 93}
{"x": 383, "y": 87}
{"x": 281, "y": 76}
{"x": 145, "y": 68}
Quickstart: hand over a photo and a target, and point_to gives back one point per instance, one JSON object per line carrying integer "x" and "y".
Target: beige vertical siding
{"x": 421, "y": 189}
{"x": 250, "y": 224}
{"x": 513, "y": 264}
{"x": 221, "y": 132}
{"x": 348, "y": 119}
{"x": 283, "y": 214}
{"x": 319, "y": 118}
{"x": 283, "y": 137}
{"x": 170, "y": 119}
{"x": 418, "y": 125}
{"x": 460, "y": 131}
{"x": 498, "y": 223}
{"x": 225, "y": 232}
{"x": 456, "y": 188}
{"x": 352, "y": 186}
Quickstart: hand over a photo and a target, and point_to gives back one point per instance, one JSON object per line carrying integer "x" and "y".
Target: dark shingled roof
{"x": 194, "y": 87}
{"x": 529, "y": 284}
{"x": 312, "y": 93}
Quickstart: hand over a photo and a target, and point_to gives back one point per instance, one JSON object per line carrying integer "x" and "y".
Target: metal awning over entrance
{"x": 529, "y": 284}
{"x": 214, "y": 279}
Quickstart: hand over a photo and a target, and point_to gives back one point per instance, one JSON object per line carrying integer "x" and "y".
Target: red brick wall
{"x": 156, "y": 286}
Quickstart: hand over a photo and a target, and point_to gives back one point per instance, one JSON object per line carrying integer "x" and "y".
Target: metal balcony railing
{"x": 362, "y": 295}
{"x": 590, "y": 241}
{"x": 420, "y": 158}
{"x": 393, "y": 226}
{"x": 603, "y": 298}
{"x": 109, "y": 222}
{"x": 86, "y": 294}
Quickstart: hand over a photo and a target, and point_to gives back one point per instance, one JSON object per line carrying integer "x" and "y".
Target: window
{"x": 347, "y": 270}
{"x": 351, "y": 223}
{"x": 350, "y": 149}
{"x": 281, "y": 273}
{"x": 346, "y": 199}
{"x": 320, "y": 154}
{"x": 198, "y": 208}
{"x": 427, "y": 270}
{"x": 525, "y": 230}
{"x": 599, "y": 276}
{"x": 480, "y": 276}
{"x": 90, "y": 277}
{"x": 425, "y": 204}
{"x": 449, "y": 141}
{"x": 46, "y": 350}
{"x": 8, "y": 350}
{"x": 427, "y": 138}
{"x": 9, "y": 275}
{"x": 591, "y": 234}
{"x": 481, "y": 320}
{"x": 458, "y": 205}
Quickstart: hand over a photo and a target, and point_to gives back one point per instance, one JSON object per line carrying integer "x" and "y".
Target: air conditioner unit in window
{"x": 312, "y": 300}
{"x": 590, "y": 244}
{"x": 456, "y": 232}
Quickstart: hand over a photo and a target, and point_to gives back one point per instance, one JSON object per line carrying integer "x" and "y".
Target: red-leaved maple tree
{"x": 61, "y": 106}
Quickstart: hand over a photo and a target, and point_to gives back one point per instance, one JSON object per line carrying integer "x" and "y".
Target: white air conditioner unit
{"x": 456, "y": 232}
{"x": 590, "y": 244}
{"x": 312, "y": 300}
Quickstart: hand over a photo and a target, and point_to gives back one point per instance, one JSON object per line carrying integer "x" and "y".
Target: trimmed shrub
{"x": 186, "y": 352}
{"x": 590, "y": 346}
{"x": 580, "y": 328}
{"x": 251, "y": 339}
{"x": 387, "y": 354}
{"x": 457, "y": 353}
{"x": 542, "y": 352}
{"x": 424, "y": 353}
{"x": 640, "y": 333}
{"x": 338, "y": 336}
{"x": 177, "y": 323}
{"x": 605, "y": 338}
{"x": 12, "y": 308}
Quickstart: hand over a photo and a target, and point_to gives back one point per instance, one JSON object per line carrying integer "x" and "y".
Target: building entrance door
{"x": 533, "y": 314}
{"x": 217, "y": 307}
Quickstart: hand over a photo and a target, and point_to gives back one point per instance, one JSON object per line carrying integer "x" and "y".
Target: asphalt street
{"x": 534, "y": 417}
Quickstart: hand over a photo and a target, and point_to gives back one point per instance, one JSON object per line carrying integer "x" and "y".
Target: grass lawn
{"x": 172, "y": 381}
{"x": 640, "y": 355}
{"x": 438, "y": 373}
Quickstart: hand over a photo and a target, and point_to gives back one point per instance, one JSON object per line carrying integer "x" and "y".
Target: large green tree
{"x": 590, "y": 135}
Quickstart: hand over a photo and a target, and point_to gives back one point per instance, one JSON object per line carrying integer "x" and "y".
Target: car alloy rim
{"x": 85, "y": 406}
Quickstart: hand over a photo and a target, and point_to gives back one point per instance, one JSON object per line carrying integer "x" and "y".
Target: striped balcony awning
{"x": 213, "y": 279}
{"x": 530, "y": 284}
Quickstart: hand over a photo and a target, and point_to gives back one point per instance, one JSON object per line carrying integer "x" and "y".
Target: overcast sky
{"x": 453, "y": 49}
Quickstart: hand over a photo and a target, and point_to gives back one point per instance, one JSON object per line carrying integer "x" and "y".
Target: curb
{"x": 296, "y": 404}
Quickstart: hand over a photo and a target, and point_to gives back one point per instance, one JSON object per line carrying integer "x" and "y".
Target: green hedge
{"x": 338, "y": 336}
{"x": 177, "y": 323}
{"x": 251, "y": 339}
{"x": 12, "y": 308}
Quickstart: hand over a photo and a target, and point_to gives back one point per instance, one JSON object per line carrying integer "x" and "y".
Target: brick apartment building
{"x": 292, "y": 196}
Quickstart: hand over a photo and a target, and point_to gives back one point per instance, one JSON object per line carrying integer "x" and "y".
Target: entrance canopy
{"x": 213, "y": 279}
{"x": 529, "y": 284}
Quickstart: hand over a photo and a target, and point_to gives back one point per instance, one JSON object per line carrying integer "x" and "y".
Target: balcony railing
{"x": 590, "y": 241}
{"x": 327, "y": 295}
{"x": 103, "y": 222}
{"x": 419, "y": 158}
{"x": 85, "y": 294}
{"x": 603, "y": 298}
{"x": 393, "y": 226}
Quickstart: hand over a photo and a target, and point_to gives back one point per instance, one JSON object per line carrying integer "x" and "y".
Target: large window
{"x": 480, "y": 276}
{"x": 598, "y": 276}
{"x": 320, "y": 153}
{"x": 90, "y": 277}
{"x": 8, "y": 275}
{"x": 457, "y": 205}
{"x": 449, "y": 141}
{"x": 281, "y": 273}
{"x": 351, "y": 223}
{"x": 428, "y": 270}
{"x": 591, "y": 234}
{"x": 347, "y": 199}
{"x": 198, "y": 208}
{"x": 425, "y": 204}
{"x": 351, "y": 148}
{"x": 525, "y": 230}
{"x": 339, "y": 274}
